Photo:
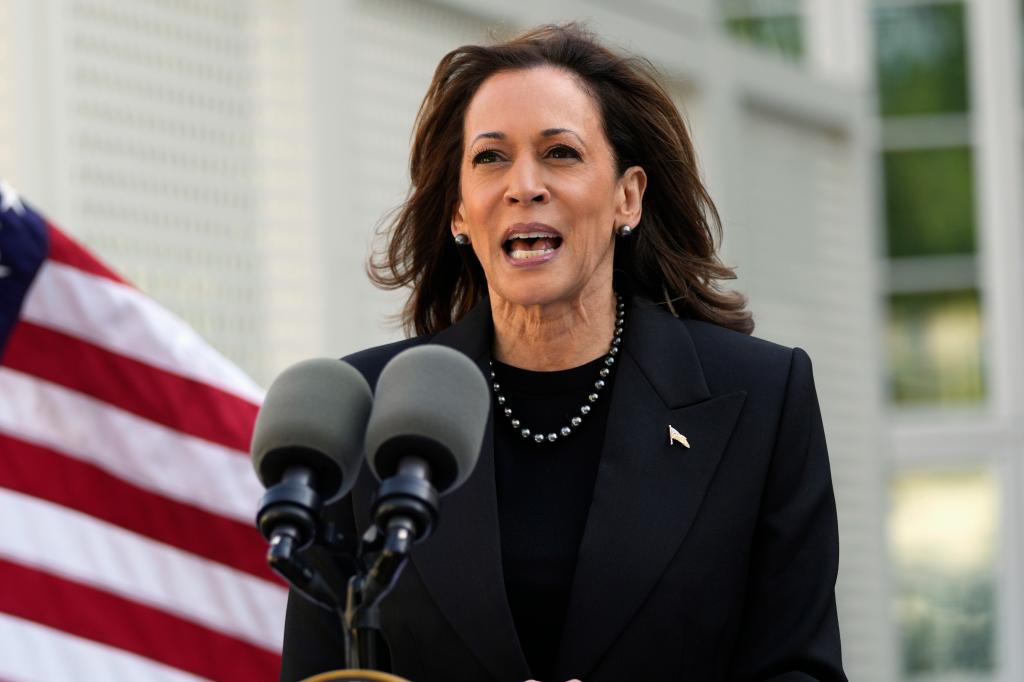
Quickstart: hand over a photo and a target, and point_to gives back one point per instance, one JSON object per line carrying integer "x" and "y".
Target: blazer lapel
{"x": 470, "y": 591}
{"x": 647, "y": 491}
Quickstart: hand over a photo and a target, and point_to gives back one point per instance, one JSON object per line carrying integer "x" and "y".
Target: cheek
{"x": 475, "y": 204}
{"x": 600, "y": 222}
{"x": 600, "y": 243}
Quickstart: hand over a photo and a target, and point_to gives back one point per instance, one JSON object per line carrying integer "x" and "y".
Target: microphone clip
{"x": 288, "y": 518}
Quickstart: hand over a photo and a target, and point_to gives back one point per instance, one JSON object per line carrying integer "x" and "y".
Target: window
{"x": 929, "y": 202}
{"x": 921, "y": 59}
{"x": 935, "y": 348}
{"x": 942, "y": 536}
{"x": 934, "y": 340}
{"x": 776, "y": 25}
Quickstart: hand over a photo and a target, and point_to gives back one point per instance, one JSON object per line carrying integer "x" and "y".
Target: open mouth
{"x": 529, "y": 245}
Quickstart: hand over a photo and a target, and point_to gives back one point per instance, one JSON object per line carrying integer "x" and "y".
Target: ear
{"x": 458, "y": 220}
{"x": 630, "y": 200}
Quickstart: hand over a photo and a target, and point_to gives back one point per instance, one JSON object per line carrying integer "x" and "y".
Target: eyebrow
{"x": 547, "y": 132}
{"x": 492, "y": 135}
{"x": 550, "y": 132}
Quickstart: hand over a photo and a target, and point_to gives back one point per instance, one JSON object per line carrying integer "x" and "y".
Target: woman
{"x": 653, "y": 499}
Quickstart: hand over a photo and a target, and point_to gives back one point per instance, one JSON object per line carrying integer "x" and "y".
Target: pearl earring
{"x": 461, "y": 239}
{"x": 625, "y": 231}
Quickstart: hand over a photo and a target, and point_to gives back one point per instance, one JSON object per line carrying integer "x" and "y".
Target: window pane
{"x": 929, "y": 202}
{"x": 942, "y": 534}
{"x": 921, "y": 59}
{"x": 935, "y": 348}
{"x": 782, "y": 34}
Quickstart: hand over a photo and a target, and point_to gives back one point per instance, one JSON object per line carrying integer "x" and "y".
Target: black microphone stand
{"x": 405, "y": 511}
{"x": 288, "y": 518}
{"x": 366, "y": 591}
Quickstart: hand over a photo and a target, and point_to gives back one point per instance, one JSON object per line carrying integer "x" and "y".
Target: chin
{"x": 533, "y": 293}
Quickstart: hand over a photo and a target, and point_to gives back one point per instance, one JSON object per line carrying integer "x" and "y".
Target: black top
{"x": 544, "y": 492}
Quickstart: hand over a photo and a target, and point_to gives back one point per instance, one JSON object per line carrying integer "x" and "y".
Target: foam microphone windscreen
{"x": 314, "y": 416}
{"x": 431, "y": 402}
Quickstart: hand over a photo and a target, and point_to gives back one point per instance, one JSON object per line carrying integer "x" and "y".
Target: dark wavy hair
{"x": 670, "y": 258}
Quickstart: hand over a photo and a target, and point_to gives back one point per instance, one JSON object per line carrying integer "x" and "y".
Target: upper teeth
{"x": 531, "y": 235}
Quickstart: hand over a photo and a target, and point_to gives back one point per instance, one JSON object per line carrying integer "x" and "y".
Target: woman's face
{"x": 540, "y": 194}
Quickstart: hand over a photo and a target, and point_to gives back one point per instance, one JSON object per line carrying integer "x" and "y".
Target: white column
{"x": 38, "y": 120}
{"x": 838, "y": 40}
{"x": 996, "y": 112}
{"x": 839, "y": 47}
{"x": 994, "y": 38}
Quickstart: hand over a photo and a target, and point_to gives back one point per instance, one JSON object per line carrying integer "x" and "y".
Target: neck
{"x": 553, "y": 336}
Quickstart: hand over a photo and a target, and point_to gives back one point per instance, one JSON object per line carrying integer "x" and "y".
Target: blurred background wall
{"x": 234, "y": 159}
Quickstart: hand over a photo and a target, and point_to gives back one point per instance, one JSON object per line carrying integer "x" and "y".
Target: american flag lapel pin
{"x": 676, "y": 437}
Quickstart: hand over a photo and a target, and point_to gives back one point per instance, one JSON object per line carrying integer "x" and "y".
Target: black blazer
{"x": 716, "y": 562}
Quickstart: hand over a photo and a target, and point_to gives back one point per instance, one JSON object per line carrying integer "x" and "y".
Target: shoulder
{"x": 732, "y": 360}
{"x": 371, "y": 361}
{"x": 727, "y": 345}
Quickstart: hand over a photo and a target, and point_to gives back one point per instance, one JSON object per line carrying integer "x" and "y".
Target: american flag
{"x": 127, "y": 545}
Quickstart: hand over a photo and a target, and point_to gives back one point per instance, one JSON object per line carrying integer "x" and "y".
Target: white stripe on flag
{"x": 121, "y": 319}
{"x": 30, "y": 651}
{"x": 79, "y": 547}
{"x": 147, "y": 454}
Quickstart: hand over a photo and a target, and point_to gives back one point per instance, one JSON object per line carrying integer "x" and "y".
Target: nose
{"x": 526, "y": 183}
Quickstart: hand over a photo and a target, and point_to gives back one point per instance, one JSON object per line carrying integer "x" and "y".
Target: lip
{"x": 529, "y": 227}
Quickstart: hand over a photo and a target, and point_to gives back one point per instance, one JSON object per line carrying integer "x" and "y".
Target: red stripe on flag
{"x": 49, "y": 475}
{"x": 180, "y": 403}
{"x": 103, "y": 617}
{"x": 65, "y": 250}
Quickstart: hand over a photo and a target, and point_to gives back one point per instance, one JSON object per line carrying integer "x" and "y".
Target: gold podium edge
{"x": 355, "y": 676}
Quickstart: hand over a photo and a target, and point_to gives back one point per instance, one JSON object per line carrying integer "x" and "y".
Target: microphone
{"x": 424, "y": 434}
{"x": 307, "y": 445}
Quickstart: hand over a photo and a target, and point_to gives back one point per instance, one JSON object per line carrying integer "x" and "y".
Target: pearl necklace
{"x": 567, "y": 430}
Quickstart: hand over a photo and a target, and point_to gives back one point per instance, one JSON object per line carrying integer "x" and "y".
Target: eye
{"x": 486, "y": 156}
{"x": 563, "y": 152}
